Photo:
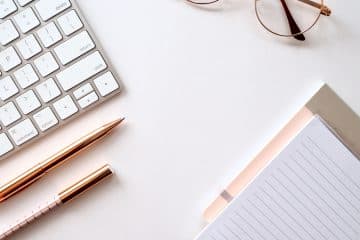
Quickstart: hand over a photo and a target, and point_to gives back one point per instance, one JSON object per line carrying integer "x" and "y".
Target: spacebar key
{"x": 81, "y": 71}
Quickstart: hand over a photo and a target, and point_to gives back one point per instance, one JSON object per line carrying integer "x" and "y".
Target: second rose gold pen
{"x": 35, "y": 173}
{"x": 60, "y": 199}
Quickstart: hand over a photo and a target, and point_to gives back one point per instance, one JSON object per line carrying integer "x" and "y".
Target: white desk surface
{"x": 205, "y": 91}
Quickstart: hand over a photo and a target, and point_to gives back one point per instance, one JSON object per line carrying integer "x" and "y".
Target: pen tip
{"x": 114, "y": 123}
{"x": 117, "y": 121}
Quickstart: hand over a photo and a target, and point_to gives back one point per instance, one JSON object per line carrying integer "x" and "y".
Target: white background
{"x": 205, "y": 91}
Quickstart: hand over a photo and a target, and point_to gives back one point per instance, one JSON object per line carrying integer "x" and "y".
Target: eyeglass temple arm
{"x": 294, "y": 28}
{"x": 324, "y": 9}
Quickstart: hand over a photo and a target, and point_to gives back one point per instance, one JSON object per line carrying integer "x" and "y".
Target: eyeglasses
{"x": 278, "y": 16}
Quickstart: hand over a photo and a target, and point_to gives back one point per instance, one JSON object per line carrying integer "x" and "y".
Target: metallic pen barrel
{"x": 35, "y": 173}
{"x": 84, "y": 184}
{"x": 62, "y": 198}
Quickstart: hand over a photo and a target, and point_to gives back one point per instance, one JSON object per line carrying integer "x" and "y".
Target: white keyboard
{"x": 52, "y": 69}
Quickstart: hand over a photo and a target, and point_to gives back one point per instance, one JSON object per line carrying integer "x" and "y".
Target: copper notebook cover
{"x": 324, "y": 103}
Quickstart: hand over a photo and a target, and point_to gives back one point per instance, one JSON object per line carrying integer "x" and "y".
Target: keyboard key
{"x": 81, "y": 71}
{"x": 7, "y": 88}
{"x": 24, "y": 2}
{"x": 74, "y": 47}
{"x": 48, "y": 90}
{"x": 28, "y": 47}
{"x": 9, "y": 114}
{"x": 26, "y": 76}
{"x": 49, "y": 8}
{"x": 5, "y": 144}
{"x": 8, "y": 32}
{"x": 88, "y": 100}
{"x": 65, "y": 107}
{"x": 45, "y": 119}
{"x": 82, "y": 91}
{"x": 28, "y": 102}
{"x": 106, "y": 84}
{"x": 70, "y": 22}
{"x": 23, "y": 132}
{"x": 26, "y": 20}
{"x": 46, "y": 64}
{"x": 49, "y": 34}
{"x": 7, "y": 7}
{"x": 9, "y": 59}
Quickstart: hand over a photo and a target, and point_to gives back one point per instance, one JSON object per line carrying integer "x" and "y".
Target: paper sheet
{"x": 311, "y": 190}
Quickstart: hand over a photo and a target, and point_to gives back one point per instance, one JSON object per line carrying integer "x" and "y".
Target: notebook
{"x": 310, "y": 190}
{"x": 325, "y": 103}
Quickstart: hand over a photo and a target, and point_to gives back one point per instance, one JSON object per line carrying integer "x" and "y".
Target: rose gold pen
{"x": 35, "y": 173}
{"x": 61, "y": 198}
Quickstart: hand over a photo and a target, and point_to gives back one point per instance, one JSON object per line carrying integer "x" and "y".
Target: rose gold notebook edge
{"x": 324, "y": 103}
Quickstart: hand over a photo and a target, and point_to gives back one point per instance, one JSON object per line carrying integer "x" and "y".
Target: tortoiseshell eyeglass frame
{"x": 294, "y": 28}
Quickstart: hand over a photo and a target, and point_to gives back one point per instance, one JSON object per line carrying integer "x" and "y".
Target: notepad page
{"x": 311, "y": 190}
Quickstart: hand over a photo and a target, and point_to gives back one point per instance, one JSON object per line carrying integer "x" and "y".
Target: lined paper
{"x": 311, "y": 190}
